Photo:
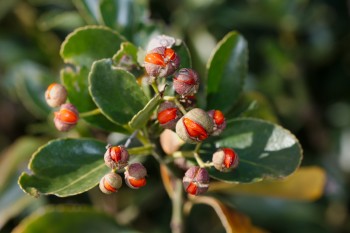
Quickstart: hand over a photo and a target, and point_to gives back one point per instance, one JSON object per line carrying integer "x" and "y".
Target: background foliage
{"x": 298, "y": 73}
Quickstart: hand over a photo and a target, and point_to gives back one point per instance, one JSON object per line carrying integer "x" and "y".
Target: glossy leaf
{"x": 30, "y": 81}
{"x": 307, "y": 183}
{"x": 118, "y": 14}
{"x": 143, "y": 116}
{"x": 253, "y": 104}
{"x": 90, "y": 43}
{"x": 12, "y": 200}
{"x": 116, "y": 92}
{"x": 76, "y": 83}
{"x": 69, "y": 219}
{"x": 65, "y": 167}
{"x": 233, "y": 221}
{"x": 265, "y": 150}
{"x": 227, "y": 69}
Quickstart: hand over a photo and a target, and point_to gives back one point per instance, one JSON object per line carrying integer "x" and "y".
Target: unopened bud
{"x": 196, "y": 180}
{"x": 186, "y": 82}
{"x": 55, "y": 95}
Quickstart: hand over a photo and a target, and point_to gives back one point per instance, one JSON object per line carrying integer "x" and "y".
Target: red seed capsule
{"x": 195, "y": 126}
{"x": 110, "y": 183}
{"x": 186, "y": 82}
{"x": 196, "y": 180}
{"x": 66, "y": 118}
{"x": 135, "y": 175}
{"x": 116, "y": 157}
{"x": 168, "y": 115}
{"x": 55, "y": 95}
{"x": 161, "y": 62}
{"x": 225, "y": 159}
{"x": 218, "y": 120}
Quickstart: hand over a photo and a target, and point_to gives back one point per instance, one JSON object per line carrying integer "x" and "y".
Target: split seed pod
{"x": 66, "y": 118}
{"x": 116, "y": 157}
{"x": 135, "y": 175}
{"x": 225, "y": 159}
{"x": 218, "y": 120}
{"x": 168, "y": 115}
{"x": 161, "y": 62}
{"x": 195, "y": 126}
{"x": 110, "y": 183}
{"x": 196, "y": 180}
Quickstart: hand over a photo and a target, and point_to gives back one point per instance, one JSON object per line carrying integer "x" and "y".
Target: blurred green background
{"x": 299, "y": 63}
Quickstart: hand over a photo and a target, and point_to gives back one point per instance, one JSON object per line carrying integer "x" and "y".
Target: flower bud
{"x": 168, "y": 115}
{"x": 161, "y": 62}
{"x": 116, "y": 157}
{"x": 218, "y": 120}
{"x": 196, "y": 180}
{"x": 110, "y": 183}
{"x": 186, "y": 82}
{"x": 55, "y": 95}
{"x": 225, "y": 159}
{"x": 66, "y": 118}
{"x": 195, "y": 126}
{"x": 161, "y": 41}
{"x": 135, "y": 175}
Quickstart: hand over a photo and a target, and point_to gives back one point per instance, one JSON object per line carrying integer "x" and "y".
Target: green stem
{"x": 90, "y": 113}
{"x": 155, "y": 86}
{"x": 178, "y": 104}
{"x": 177, "y": 213}
{"x": 147, "y": 149}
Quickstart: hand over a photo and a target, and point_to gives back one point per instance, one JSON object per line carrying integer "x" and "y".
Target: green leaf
{"x": 184, "y": 53}
{"x": 265, "y": 150}
{"x": 62, "y": 20}
{"x": 142, "y": 117}
{"x": 253, "y": 104}
{"x": 126, "y": 58}
{"x": 69, "y": 219}
{"x": 227, "y": 69}
{"x": 30, "y": 81}
{"x": 88, "y": 44}
{"x": 76, "y": 83}
{"x": 116, "y": 92}
{"x": 118, "y": 14}
{"x": 65, "y": 167}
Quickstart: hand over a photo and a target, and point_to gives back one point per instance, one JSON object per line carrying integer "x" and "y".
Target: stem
{"x": 177, "y": 213}
{"x": 196, "y": 155}
{"x": 127, "y": 143}
{"x": 90, "y": 113}
{"x": 178, "y": 104}
{"x": 147, "y": 149}
{"x": 155, "y": 86}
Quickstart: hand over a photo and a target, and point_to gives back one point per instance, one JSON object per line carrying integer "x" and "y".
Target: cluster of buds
{"x": 67, "y": 116}
{"x": 192, "y": 126}
{"x": 117, "y": 158}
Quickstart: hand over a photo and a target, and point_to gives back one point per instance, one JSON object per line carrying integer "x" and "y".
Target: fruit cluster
{"x": 177, "y": 113}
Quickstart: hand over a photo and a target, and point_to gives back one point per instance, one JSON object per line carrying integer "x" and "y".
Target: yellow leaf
{"x": 305, "y": 184}
{"x": 233, "y": 221}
